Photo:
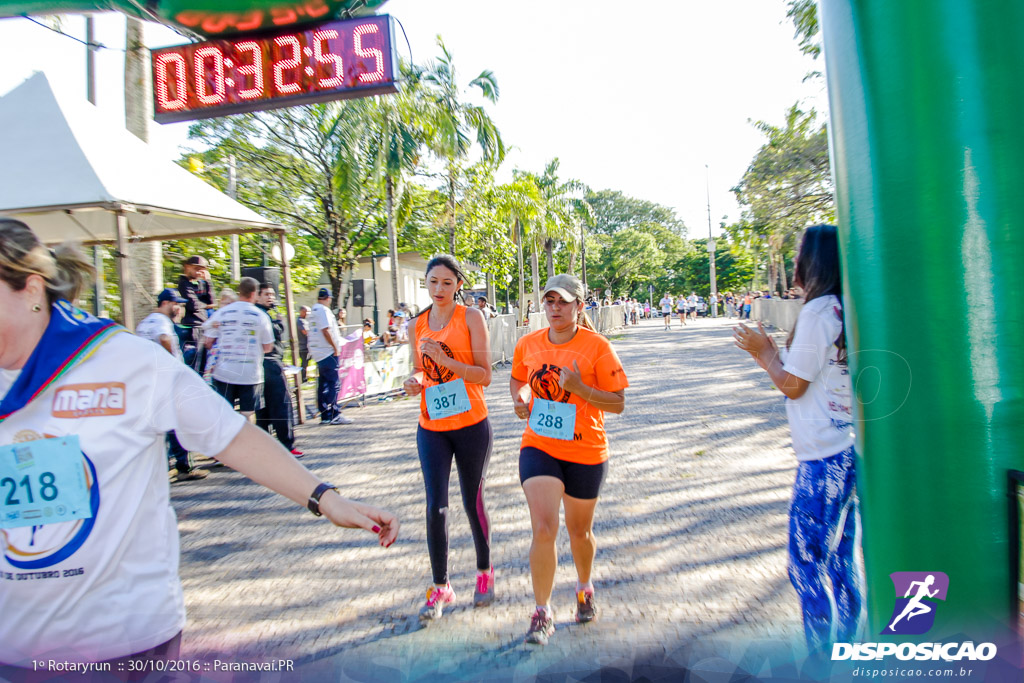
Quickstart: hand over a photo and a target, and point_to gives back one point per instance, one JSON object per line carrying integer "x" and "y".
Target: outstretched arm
{"x": 256, "y": 455}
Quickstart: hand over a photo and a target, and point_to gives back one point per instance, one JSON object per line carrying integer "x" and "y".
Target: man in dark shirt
{"x": 194, "y": 287}
{"x": 302, "y": 327}
{"x": 277, "y": 403}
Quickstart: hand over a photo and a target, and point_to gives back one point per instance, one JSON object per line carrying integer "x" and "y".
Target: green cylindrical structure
{"x": 927, "y": 111}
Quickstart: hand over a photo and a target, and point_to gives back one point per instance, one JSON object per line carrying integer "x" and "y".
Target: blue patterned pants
{"x": 822, "y": 539}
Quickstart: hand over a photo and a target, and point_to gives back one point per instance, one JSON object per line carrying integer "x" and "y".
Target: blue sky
{"x": 637, "y": 100}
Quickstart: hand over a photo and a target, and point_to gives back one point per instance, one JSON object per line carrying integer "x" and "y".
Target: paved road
{"x": 691, "y": 530}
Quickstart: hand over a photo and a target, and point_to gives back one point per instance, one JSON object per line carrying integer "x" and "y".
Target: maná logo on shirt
{"x": 89, "y": 400}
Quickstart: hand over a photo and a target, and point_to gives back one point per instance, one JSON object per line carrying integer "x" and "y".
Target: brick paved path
{"x": 691, "y": 530}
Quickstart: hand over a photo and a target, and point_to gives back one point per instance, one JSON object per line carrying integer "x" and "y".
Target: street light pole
{"x": 583, "y": 253}
{"x": 373, "y": 274}
{"x": 711, "y": 247}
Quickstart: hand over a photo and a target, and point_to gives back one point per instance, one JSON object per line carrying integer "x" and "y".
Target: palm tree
{"x": 452, "y": 121}
{"x": 563, "y": 208}
{"x": 397, "y": 138}
{"x": 521, "y": 205}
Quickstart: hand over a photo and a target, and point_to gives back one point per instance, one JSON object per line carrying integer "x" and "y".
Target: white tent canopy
{"x": 67, "y": 171}
{"x": 72, "y": 174}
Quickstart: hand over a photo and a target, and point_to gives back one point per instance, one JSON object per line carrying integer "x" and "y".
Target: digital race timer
{"x": 330, "y": 61}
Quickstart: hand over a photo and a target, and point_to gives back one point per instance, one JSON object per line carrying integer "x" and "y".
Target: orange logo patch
{"x": 89, "y": 400}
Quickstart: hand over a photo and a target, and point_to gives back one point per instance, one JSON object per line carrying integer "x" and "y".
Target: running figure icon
{"x": 916, "y": 607}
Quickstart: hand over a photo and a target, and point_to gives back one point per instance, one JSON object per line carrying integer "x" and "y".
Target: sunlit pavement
{"x": 691, "y": 530}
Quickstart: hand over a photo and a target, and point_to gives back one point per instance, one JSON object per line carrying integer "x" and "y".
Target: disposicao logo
{"x": 917, "y": 594}
{"x": 914, "y": 613}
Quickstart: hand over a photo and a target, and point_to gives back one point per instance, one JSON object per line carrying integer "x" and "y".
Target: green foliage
{"x": 562, "y": 210}
{"x": 789, "y": 182}
{"x": 621, "y": 223}
{"x": 629, "y": 257}
{"x": 518, "y": 206}
{"x": 804, "y": 15}
{"x": 787, "y": 187}
{"x": 311, "y": 169}
{"x": 613, "y": 211}
{"x": 482, "y": 235}
{"x": 450, "y": 121}
{"x": 734, "y": 268}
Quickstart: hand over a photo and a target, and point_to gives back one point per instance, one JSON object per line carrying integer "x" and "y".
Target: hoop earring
{"x": 36, "y": 308}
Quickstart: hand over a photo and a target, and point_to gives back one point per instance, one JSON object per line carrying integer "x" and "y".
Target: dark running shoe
{"x": 586, "y": 610}
{"x": 542, "y": 626}
{"x": 192, "y": 475}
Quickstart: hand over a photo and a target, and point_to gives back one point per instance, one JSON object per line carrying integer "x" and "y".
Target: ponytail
{"x": 64, "y": 270}
{"x": 73, "y": 273}
{"x": 583, "y": 320}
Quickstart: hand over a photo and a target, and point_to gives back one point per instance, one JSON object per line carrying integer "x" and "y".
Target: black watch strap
{"x": 314, "y": 498}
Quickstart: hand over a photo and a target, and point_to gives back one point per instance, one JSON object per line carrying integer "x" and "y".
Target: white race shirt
{"x": 90, "y": 590}
{"x": 157, "y": 325}
{"x": 321, "y": 319}
{"x": 666, "y": 305}
{"x": 820, "y": 421}
{"x": 242, "y": 331}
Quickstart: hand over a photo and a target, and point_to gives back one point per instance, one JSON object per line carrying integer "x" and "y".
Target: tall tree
{"x": 630, "y": 257}
{"x": 483, "y": 234}
{"x": 453, "y": 121}
{"x": 564, "y": 208}
{"x": 519, "y": 205}
{"x": 787, "y": 186}
{"x": 613, "y": 211}
{"x": 804, "y": 15}
{"x": 734, "y": 268}
{"x": 396, "y": 139}
{"x": 310, "y": 168}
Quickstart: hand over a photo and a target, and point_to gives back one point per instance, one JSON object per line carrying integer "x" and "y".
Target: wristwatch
{"x": 314, "y": 498}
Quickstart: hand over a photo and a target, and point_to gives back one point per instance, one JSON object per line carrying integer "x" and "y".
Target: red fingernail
{"x": 376, "y": 529}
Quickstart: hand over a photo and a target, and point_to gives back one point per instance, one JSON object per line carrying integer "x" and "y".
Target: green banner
{"x": 928, "y": 156}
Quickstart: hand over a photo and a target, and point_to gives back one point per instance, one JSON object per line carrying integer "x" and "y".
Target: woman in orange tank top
{"x": 452, "y": 365}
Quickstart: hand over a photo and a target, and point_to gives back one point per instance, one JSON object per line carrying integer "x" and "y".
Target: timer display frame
{"x": 341, "y": 59}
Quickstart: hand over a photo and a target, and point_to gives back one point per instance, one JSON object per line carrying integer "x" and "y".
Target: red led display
{"x": 331, "y": 61}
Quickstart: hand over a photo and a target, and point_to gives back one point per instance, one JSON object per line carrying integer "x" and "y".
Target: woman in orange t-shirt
{"x": 452, "y": 365}
{"x": 564, "y": 379}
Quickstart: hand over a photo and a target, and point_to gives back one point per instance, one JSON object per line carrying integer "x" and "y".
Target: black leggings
{"x": 471, "y": 447}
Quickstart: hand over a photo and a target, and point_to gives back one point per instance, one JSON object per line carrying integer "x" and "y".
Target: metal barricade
{"x": 610, "y": 318}
{"x": 605, "y": 319}
{"x": 504, "y": 334}
{"x": 779, "y": 313}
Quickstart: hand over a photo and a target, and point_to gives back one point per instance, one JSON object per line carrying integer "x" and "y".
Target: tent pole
{"x": 289, "y": 311}
{"x": 123, "y": 272}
